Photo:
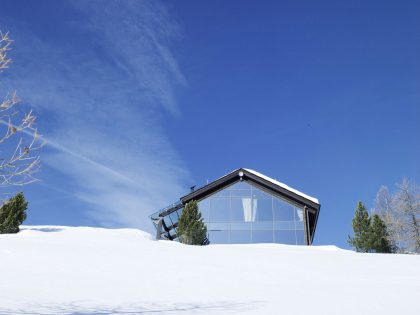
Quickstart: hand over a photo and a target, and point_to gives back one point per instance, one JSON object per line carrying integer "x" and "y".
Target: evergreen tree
{"x": 379, "y": 242}
{"x": 361, "y": 227}
{"x": 191, "y": 228}
{"x": 12, "y": 214}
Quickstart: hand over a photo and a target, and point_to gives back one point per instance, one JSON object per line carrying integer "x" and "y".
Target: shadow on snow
{"x": 73, "y": 309}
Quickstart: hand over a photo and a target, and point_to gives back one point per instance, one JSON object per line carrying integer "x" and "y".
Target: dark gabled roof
{"x": 258, "y": 178}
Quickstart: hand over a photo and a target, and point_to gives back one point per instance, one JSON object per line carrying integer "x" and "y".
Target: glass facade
{"x": 244, "y": 213}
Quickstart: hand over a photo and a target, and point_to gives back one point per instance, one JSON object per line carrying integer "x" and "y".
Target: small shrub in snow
{"x": 191, "y": 228}
{"x": 12, "y": 214}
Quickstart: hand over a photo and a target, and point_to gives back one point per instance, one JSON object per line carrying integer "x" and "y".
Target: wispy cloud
{"x": 101, "y": 86}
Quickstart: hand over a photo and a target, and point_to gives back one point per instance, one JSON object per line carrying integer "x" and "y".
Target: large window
{"x": 244, "y": 213}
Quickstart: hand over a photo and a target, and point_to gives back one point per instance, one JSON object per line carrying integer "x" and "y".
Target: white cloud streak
{"x": 103, "y": 92}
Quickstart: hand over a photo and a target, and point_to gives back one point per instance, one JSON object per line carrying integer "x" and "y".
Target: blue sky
{"x": 140, "y": 100}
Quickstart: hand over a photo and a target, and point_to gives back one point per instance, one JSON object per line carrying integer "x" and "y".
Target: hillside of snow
{"x": 82, "y": 270}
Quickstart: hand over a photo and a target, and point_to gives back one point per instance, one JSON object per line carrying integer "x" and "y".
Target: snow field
{"x": 82, "y": 270}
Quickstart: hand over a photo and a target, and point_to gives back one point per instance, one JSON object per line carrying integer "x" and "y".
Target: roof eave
{"x": 234, "y": 177}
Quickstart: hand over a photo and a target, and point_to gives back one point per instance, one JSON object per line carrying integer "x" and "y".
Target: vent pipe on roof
{"x": 192, "y": 188}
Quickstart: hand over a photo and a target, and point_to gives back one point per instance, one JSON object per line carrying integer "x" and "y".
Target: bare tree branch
{"x": 407, "y": 200}
{"x": 18, "y": 167}
{"x": 5, "y": 43}
{"x": 401, "y": 214}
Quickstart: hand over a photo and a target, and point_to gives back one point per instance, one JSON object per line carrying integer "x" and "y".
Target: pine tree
{"x": 361, "y": 228}
{"x": 12, "y": 214}
{"x": 191, "y": 228}
{"x": 379, "y": 236}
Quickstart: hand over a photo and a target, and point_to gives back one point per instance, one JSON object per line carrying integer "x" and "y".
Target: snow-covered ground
{"x": 81, "y": 270}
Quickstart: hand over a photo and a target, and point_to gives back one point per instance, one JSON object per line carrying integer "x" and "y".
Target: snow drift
{"x": 81, "y": 270}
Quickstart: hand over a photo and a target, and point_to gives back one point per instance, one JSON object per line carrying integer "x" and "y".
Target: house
{"x": 245, "y": 206}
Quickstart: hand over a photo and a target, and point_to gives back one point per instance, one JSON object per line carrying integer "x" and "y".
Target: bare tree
{"x": 19, "y": 136}
{"x": 407, "y": 204}
{"x": 401, "y": 214}
{"x": 384, "y": 207}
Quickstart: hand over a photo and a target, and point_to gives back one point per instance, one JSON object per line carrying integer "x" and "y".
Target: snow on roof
{"x": 276, "y": 182}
